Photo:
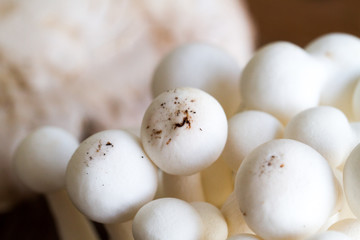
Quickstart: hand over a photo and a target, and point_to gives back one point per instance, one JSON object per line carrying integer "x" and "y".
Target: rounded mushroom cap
{"x": 109, "y": 177}
{"x": 352, "y": 180}
{"x": 202, "y": 66}
{"x": 184, "y": 131}
{"x": 330, "y": 235}
{"x": 327, "y": 130}
{"x": 246, "y": 131}
{"x": 244, "y": 236}
{"x": 41, "y": 158}
{"x": 285, "y": 190}
{"x": 167, "y": 218}
{"x": 356, "y": 101}
{"x": 350, "y": 227}
{"x": 342, "y": 53}
{"x": 215, "y": 226}
{"x": 283, "y": 80}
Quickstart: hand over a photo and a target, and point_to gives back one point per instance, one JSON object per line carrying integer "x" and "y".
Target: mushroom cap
{"x": 330, "y": 235}
{"x": 246, "y": 131}
{"x": 244, "y": 236}
{"x": 215, "y": 226}
{"x": 202, "y": 66}
{"x": 341, "y": 51}
{"x": 356, "y": 101}
{"x": 167, "y": 218}
{"x": 41, "y": 158}
{"x": 285, "y": 190}
{"x": 184, "y": 130}
{"x": 352, "y": 180}
{"x": 109, "y": 177}
{"x": 356, "y": 128}
{"x": 350, "y": 227}
{"x": 283, "y": 80}
{"x": 327, "y": 130}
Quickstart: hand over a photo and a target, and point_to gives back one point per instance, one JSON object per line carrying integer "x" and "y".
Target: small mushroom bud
{"x": 327, "y": 130}
{"x": 202, "y": 66}
{"x": 215, "y": 226}
{"x": 288, "y": 184}
{"x": 40, "y": 161}
{"x": 167, "y": 218}
{"x": 246, "y": 131}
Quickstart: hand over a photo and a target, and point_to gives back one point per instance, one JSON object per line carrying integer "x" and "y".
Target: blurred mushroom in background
{"x": 86, "y": 65}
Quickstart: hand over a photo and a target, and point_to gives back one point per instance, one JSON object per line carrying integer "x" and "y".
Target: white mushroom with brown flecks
{"x": 40, "y": 162}
{"x": 184, "y": 131}
{"x": 109, "y": 177}
{"x": 288, "y": 184}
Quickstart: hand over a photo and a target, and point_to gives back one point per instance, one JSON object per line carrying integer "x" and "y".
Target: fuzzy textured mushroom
{"x": 40, "y": 161}
{"x": 202, "y": 66}
{"x": 109, "y": 177}
{"x": 327, "y": 130}
{"x": 288, "y": 184}
{"x": 283, "y": 80}
{"x": 184, "y": 131}
{"x": 167, "y": 218}
{"x": 246, "y": 131}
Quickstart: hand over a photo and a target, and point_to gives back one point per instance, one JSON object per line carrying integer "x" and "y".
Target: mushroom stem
{"x": 70, "y": 223}
{"x": 188, "y": 188}
{"x": 120, "y": 231}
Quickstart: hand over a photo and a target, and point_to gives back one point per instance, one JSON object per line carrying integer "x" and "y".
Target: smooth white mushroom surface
{"x": 244, "y": 236}
{"x": 202, "y": 66}
{"x": 330, "y": 235}
{"x": 285, "y": 190}
{"x": 110, "y": 177}
{"x": 352, "y": 180}
{"x": 350, "y": 227}
{"x": 215, "y": 226}
{"x": 41, "y": 158}
{"x": 283, "y": 80}
{"x": 356, "y": 101}
{"x": 184, "y": 130}
{"x": 327, "y": 130}
{"x": 341, "y": 52}
{"x": 356, "y": 127}
{"x": 167, "y": 218}
{"x": 246, "y": 131}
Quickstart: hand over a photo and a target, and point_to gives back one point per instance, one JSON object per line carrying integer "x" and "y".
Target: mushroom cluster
{"x": 284, "y": 165}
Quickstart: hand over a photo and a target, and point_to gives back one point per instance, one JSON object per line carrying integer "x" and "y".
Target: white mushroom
{"x": 184, "y": 131}
{"x": 167, "y": 218}
{"x": 285, "y": 190}
{"x": 246, "y": 131}
{"x": 327, "y": 130}
{"x": 350, "y": 227}
{"x": 283, "y": 80}
{"x": 202, "y": 66}
{"x": 356, "y": 127}
{"x": 244, "y": 236}
{"x": 40, "y": 162}
{"x": 341, "y": 51}
{"x": 356, "y": 101}
{"x": 330, "y": 235}
{"x": 215, "y": 226}
{"x": 109, "y": 178}
{"x": 352, "y": 180}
